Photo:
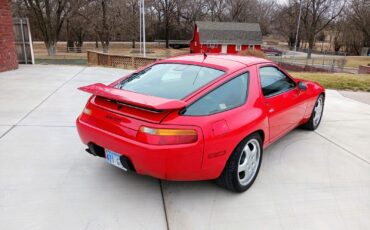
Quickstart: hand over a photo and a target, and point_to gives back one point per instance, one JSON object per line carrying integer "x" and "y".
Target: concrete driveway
{"x": 308, "y": 180}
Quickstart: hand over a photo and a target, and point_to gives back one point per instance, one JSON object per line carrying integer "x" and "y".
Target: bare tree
{"x": 339, "y": 29}
{"x": 76, "y": 31}
{"x": 167, "y": 9}
{"x": 133, "y": 15}
{"x": 264, "y": 13}
{"x": 351, "y": 31}
{"x": 242, "y": 10}
{"x": 102, "y": 28}
{"x": 50, "y": 16}
{"x": 285, "y": 22}
{"x": 216, "y": 9}
{"x": 187, "y": 13}
{"x": 101, "y": 15}
{"x": 317, "y": 15}
{"x": 359, "y": 15}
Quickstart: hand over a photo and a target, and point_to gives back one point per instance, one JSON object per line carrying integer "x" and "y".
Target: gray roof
{"x": 229, "y": 33}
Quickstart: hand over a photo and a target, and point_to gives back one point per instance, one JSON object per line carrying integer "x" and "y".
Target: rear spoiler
{"x": 132, "y": 98}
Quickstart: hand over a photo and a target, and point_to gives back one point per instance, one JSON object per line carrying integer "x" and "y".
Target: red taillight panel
{"x": 156, "y": 136}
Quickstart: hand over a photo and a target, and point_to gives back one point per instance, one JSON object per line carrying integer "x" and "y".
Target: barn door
{"x": 224, "y": 49}
{"x": 23, "y": 41}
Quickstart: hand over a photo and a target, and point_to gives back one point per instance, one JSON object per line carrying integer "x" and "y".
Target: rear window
{"x": 172, "y": 81}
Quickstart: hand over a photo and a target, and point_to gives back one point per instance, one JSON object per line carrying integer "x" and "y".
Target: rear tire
{"x": 316, "y": 114}
{"x": 243, "y": 165}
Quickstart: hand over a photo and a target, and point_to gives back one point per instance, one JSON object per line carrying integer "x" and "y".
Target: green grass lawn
{"x": 341, "y": 81}
{"x": 356, "y": 61}
{"x": 59, "y": 61}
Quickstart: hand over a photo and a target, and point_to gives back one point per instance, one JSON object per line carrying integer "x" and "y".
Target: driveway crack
{"x": 38, "y": 105}
{"x": 343, "y": 148}
{"x": 164, "y": 204}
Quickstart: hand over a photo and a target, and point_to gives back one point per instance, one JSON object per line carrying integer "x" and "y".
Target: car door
{"x": 284, "y": 105}
{"x": 222, "y": 113}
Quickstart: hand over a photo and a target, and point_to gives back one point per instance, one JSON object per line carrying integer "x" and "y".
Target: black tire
{"x": 311, "y": 124}
{"x": 230, "y": 177}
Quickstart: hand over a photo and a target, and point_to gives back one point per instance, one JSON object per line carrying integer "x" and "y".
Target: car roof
{"x": 225, "y": 62}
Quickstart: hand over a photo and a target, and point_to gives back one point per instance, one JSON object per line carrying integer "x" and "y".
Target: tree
{"x": 317, "y": 15}
{"x": 102, "y": 28}
{"x": 76, "y": 31}
{"x": 216, "y": 9}
{"x": 50, "y": 16}
{"x": 351, "y": 30}
{"x": 264, "y": 13}
{"x": 285, "y": 22}
{"x": 359, "y": 15}
{"x": 167, "y": 10}
{"x": 133, "y": 14}
{"x": 102, "y": 16}
{"x": 187, "y": 13}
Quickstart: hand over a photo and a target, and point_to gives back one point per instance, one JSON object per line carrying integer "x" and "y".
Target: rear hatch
{"x": 124, "y": 112}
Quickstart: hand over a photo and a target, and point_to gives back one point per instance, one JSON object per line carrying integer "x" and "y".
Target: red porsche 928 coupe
{"x": 197, "y": 117}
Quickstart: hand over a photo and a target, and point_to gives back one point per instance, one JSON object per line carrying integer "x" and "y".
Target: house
{"x": 225, "y": 37}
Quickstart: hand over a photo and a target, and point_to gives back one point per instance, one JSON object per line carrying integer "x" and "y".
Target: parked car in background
{"x": 197, "y": 117}
{"x": 271, "y": 51}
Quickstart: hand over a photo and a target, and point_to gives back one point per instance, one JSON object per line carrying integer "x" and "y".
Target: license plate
{"x": 113, "y": 159}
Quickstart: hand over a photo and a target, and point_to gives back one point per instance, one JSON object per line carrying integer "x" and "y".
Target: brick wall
{"x": 8, "y": 56}
{"x": 362, "y": 69}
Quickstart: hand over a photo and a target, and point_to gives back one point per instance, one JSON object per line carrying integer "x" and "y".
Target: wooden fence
{"x": 126, "y": 62}
{"x": 23, "y": 41}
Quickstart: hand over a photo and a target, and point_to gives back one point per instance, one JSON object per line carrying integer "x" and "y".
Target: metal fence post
{"x": 333, "y": 65}
{"x": 323, "y": 59}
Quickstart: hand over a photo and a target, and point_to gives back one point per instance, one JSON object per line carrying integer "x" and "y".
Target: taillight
{"x": 166, "y": 136}
{"x": 87, "y": 111}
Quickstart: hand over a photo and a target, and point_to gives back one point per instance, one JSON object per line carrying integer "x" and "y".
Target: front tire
{"x": 316, "y": 114}
{"x": 243, "y": 165}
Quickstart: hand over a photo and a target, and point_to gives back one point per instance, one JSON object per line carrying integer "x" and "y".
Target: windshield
{"x": 171, "y": 81}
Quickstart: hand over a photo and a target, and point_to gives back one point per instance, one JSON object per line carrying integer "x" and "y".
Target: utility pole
{"x": 144, "y": 40}
{"x": 140, "y": 25}
{"x": 299, "y": 20}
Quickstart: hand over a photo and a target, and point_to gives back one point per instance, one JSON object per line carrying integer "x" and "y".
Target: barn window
{"x": 211, "y": 46}
{"x": 238, "y": 47}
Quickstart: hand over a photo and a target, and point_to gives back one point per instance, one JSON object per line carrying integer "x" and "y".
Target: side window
{"x": 273, "y": 81}
{"x": 230, "y": 95}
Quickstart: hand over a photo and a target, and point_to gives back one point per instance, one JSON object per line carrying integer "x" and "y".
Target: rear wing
{"x": 132, "y": 98}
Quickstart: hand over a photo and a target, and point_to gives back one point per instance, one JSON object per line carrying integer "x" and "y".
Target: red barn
{"x": 225, "y": 37}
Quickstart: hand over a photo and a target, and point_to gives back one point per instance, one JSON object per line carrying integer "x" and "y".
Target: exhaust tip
{"x": 95, "y": 150}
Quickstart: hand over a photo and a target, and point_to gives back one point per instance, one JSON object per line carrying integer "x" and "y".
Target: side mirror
{"x": 302, "y": 86}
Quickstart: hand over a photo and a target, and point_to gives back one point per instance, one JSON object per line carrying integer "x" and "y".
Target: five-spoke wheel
{"x": 243, "y": 165}
{"x": 316, "y": 115}
{"x": 248, "y": 161}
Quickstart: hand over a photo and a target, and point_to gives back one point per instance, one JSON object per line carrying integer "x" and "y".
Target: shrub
{"x": 254, "y": 53}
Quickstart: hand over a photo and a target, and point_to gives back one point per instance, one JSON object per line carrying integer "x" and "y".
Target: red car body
{"x": 104, "y": 125}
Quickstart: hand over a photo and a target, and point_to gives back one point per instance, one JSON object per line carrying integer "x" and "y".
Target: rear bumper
{"x": 170, "y": 162}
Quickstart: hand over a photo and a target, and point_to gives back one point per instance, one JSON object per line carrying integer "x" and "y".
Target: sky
{"x": 280, "y": 1}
